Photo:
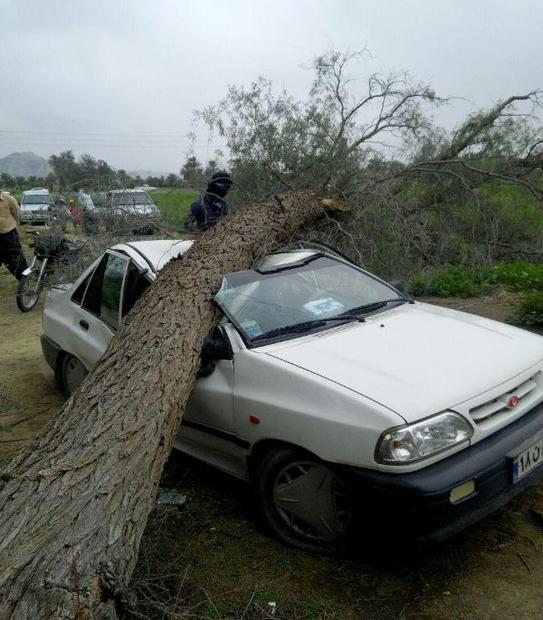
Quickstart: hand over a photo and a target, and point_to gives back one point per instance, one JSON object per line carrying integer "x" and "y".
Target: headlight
{"x": 414, "y": 442}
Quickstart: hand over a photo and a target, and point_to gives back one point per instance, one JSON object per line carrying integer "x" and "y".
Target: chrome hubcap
{"x": 74, "y": 373}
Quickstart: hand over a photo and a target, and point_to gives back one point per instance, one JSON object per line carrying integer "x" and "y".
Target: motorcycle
{"x": 50, "y": 250}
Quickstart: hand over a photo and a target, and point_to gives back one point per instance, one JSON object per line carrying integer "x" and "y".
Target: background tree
{"x": 192, "y": 172}
{"x": 425, "y": 195}
{"x": 64, "y": 168}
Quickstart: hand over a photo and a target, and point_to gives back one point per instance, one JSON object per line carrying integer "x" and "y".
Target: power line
{"x": 186, "y": 136}
{"x": 104, "y": 145}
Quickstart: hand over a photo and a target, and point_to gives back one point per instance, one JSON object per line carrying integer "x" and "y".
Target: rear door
{"x": 100, "y": 313}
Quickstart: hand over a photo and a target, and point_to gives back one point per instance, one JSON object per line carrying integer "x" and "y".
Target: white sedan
{"x": 345, "y": 403}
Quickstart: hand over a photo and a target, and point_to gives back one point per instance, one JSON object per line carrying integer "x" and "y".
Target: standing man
{"x": 11, "y": 252}
{"x": 207, "y": 211}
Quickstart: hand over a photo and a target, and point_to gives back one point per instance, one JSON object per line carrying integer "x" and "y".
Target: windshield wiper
{"x": 376, "y": 305}
{"x": 305, "y": 325}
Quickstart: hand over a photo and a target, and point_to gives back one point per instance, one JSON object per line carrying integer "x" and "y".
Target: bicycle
{"x": 50, "y": 249}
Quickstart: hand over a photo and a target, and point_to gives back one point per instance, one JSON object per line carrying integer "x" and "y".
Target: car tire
{"x": 73, "y": 372}
{"x": 303, "y": 501}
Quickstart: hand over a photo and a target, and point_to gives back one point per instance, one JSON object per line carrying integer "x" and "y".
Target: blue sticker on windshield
{"x": 251, "y": 328}
{"x": 327, "y": 305}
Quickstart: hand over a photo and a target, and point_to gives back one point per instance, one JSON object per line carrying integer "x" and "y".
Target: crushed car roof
{"x": 157, "y": 252}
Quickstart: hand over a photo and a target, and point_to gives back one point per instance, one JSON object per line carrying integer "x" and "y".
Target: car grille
{"x": 492, "y": 411}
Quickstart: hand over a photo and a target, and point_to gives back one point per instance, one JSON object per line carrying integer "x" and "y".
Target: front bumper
{"x": 35, "y": 218}
{"x": 418, "y": 503}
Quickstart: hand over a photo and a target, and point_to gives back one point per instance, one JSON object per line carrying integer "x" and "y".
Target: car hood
{"x": 35, "y": 207}
{"x": 416, "y": 359}
{"x": 136, "y": 209}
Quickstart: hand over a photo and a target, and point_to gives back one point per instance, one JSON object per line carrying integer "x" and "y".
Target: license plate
{"x": 527, "y": 460}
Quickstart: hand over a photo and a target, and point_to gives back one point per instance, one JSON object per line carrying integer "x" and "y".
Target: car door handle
{"x": 84, "y": 324}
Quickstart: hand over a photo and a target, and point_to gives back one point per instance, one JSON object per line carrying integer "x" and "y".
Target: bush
{"x": 456, "y": 282}
{"x": 449, "y": 282}
{"x": 419, "y": 285}
{"x": 520, "y": 277}
{"x": 531, "y": 310}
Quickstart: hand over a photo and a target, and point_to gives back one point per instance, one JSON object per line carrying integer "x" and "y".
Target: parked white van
{"x": 36, "y": 206}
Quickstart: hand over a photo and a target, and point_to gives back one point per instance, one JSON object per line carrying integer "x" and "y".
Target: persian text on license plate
{"x": 527, "y": 460}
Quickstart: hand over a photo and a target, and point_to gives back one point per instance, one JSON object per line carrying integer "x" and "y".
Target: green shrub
{"x": 531, "y": 310}
{"x": 419, "y": 285}
{"x": 451, "y": 281}
{"x": 456, "y": 282}
{"x": 522, "y": 277}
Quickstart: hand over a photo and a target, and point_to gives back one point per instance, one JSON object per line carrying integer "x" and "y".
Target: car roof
{"x": 37, "y": 190}
{"x": 156, "y": 252}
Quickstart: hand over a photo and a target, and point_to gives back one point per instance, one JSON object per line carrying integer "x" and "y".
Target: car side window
{"x": 135, "y": 284}
{"x": 103, "y": 295}
{"x": 112, "y": 285}
{"x": 91, "y": 301}
{"x": 77, "y": 295}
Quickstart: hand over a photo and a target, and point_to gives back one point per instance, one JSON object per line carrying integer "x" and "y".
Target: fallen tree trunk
{"x": 75, "y": 503}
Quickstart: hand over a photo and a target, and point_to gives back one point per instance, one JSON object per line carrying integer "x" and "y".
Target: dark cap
{"x": 220, "y": 184}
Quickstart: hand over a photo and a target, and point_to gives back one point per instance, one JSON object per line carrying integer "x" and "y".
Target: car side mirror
{"x": 216, "y": 347}
{"x": 398, "y": 285}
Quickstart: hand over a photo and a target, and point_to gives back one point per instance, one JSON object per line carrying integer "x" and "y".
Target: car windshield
{"x": 130, "y": 198}
{"x": 292, "y": 299}
{"x": 36, "y": 199}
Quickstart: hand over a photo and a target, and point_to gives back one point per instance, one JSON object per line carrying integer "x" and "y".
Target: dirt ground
{"x": 210, "y": 559}
{"x": 28, "y": 396}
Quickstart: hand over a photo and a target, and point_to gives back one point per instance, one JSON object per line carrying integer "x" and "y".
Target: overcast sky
{"x": 121, "y": 79}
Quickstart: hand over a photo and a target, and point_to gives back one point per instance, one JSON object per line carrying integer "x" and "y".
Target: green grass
{"x": 174, "y": 203}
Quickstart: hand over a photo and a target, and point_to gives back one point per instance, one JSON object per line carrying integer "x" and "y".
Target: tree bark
{"x": 74, "y": 503}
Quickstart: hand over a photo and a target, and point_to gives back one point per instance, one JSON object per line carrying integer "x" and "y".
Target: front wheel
{"x": 303, "y": 501}
{"x": 28, "y": 291}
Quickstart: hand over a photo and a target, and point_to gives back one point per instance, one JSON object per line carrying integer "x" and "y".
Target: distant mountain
{"x": 24, "y": 165}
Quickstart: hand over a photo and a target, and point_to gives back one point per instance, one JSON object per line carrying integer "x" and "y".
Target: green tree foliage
{"x": 192, "y": 172}
{"x": 421, "y": 196}
{"x": 65, "y": 168}
{"x": 195, "y": 175}
{"x": 85, "y": 172}
{"x": 327, "y": 140}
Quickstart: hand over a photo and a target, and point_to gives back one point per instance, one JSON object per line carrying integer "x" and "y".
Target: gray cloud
{"x": 121, "y": 79}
